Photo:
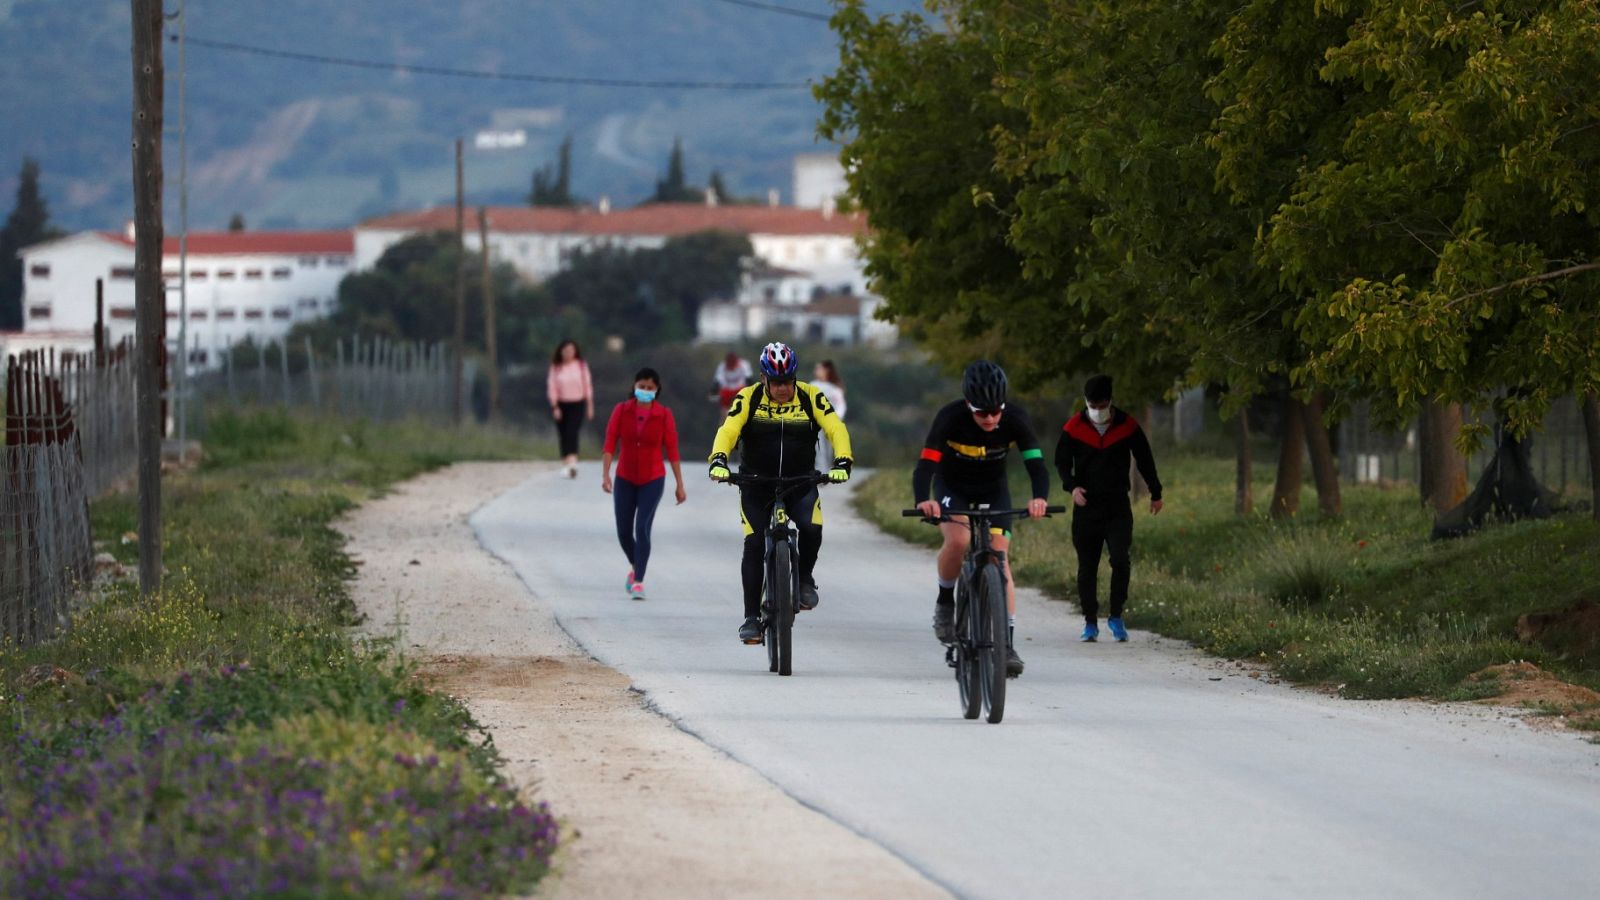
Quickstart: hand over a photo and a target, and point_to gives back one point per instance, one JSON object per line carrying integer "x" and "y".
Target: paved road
{"x": 1132, "y": 770}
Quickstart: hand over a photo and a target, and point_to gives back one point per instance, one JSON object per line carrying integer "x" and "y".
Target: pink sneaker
{"x": 636, "y": 590}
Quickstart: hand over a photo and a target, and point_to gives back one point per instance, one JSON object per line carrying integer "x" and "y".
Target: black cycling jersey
{"x": 963, "y": 454}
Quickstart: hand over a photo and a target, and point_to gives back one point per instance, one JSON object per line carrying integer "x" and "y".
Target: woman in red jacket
{"x": 639, "y": 433}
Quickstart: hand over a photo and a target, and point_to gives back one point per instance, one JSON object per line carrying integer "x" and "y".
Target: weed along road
{"x": 1139, "y": 769}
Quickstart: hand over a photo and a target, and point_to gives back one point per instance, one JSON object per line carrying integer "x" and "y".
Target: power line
{"x": 496, "y": 76}
{"x": 784, "y": 10}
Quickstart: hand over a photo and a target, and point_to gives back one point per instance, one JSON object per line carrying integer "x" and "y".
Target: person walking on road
{"x": 1092, "y": 457}
{"x": 827, "y": 379}
{"x": 777, "y": 421}
{"x": 732, "y": 376}
{"x": 964, "y": 464}
{"x": 571, "y": 392}
{"x": 640, "y": 432}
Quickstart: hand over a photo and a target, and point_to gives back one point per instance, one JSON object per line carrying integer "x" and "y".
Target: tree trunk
{"x": 1243, "y": 495}
{"x": 1286, "y": 493}
{"x": 1323, "y": 467}
{"x": 1591, "y": 428}
{"x": 1447, "y": 475}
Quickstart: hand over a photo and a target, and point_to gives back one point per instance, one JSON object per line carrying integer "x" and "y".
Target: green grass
{"x": 1365, "y": 602}
{"x": 251, "y": 636}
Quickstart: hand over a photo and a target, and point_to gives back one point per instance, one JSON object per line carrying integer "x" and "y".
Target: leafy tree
{"x": 29, "y": 223}
{"x": 553, "y": 187}
{"x": 410, "y": 295}
{"x": 650, "y": 296}
{"x": 674, "y": 187}
{"x": 236, "y": 222}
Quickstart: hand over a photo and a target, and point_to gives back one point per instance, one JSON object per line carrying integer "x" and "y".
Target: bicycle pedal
{"x": 950, "y": 655}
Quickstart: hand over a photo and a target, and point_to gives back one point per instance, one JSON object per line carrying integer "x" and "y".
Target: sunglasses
{"x": 987, "y": 413}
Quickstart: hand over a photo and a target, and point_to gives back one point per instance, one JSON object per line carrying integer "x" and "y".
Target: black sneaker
{"x": 750, "y": 631}
{"x": 944, "y": 622}
{"x": 1013, "y": 663}
{"x": 807, "y": 598}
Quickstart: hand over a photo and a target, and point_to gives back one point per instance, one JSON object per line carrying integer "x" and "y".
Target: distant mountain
{"x": 301, "y": 144}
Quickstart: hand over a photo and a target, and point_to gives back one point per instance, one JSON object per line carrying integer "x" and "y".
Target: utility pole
{"x": 489, "y": 337}
{"x": 461, "y": 285}
{"x": 183, "y": 229}
{"x": 149, "y": 297}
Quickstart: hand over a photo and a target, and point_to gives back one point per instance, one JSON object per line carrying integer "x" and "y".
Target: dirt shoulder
{"x": 648, "y": 810}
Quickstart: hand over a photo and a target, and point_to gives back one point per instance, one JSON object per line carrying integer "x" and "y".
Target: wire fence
{"x": 69, "y": 436}
{"x": 371, "y": 378}
{"x": 1558, "y": 449}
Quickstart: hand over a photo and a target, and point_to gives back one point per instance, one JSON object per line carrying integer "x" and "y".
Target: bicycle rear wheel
{"x": 992, "y": 641}
{"x": 781, "y": 592}
{"x": 966, "y": 654}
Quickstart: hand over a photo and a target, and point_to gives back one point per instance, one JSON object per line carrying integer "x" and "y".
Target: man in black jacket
{"x": 1092, "y": 457}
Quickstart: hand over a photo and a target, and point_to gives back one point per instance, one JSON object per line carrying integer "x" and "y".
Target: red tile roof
{"x": 665, "y": 219}
{"x": 254, "y": 243}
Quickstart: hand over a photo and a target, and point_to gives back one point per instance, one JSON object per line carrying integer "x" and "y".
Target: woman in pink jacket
{"x": 571, "y": 394}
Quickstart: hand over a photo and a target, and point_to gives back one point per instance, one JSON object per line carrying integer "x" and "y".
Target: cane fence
{"x": 69, "y": 436}
{"x": 370, "y": 378}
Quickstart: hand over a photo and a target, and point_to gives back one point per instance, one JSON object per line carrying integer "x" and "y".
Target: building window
{"x": 280, "y": 273}
{"x": 252, "y": 274}
{"x": 308, "y": 303}
{"x": 227, "y": 313}
{"x": 39, "y": 270}
{"x": 309, "y": 262}
{"x": 224, "y": 274}
{"x": 170, "y": 274}
{"x": 172, "y": 314}
{"x": 197, "y": 357}
{"x": 197, "y": 314}
{"x": 121, "y": 312}
{"x": 337, "y": 262}
{"x": 252, "y": 314}
{"x": 282, "y": 312}
{"x": 122, "y": 273}
{"x": 39, "y": 312}
{"x": 197, "y": 275}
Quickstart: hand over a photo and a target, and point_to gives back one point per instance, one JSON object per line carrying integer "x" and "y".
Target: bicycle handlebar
{"x": 740, "y": 479}
{"x": 976, "y": 513}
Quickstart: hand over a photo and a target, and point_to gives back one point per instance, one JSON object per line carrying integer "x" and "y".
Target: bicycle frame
{"x": 778, "y": 606}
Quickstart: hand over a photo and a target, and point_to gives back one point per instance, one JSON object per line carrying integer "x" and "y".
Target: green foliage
{"x": 29, "y": 223}
{"x": 650, "y": 296}
{"x": 1366, "y": 603}
{"x": 674, "y": 186}
{"x": 245, "y": 661}
{"x": 553, "y": 187}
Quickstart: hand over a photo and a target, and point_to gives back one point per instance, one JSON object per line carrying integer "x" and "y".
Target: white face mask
{"x": 1097, "y": 416}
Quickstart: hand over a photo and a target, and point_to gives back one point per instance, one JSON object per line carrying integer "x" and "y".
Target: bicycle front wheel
{"x": 992, "y": 641}
{"x": 966, "y": 647}
{"x": 781, "y": 592}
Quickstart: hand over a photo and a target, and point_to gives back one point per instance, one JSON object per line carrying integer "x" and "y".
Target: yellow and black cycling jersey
{"x": 780, "y": 438}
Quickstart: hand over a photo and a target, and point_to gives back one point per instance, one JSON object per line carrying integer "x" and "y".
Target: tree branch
{"x": 1531, "y": 279}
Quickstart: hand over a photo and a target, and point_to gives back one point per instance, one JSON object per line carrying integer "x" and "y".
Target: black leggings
{"x": 1094, "y": 530}
{"x": 756, "y": 505}
{"x": 570, "y": 426}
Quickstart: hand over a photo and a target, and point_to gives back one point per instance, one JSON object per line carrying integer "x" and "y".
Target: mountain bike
{"x": 781, "y": 578}
{"x": 978, "y": 653}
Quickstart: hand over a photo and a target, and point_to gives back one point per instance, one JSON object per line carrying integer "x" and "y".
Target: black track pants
{"x": 1102, "y": 526}
{"x": 757, "y": 508}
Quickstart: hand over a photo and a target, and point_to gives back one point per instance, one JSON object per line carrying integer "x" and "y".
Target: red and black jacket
{"x": 1099, "y": 463}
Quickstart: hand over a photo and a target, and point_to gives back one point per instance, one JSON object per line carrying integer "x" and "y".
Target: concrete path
{"x": 1135, "y": 770}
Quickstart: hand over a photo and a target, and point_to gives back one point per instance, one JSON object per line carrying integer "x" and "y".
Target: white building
{"x": 241, "y": 285}
{"x": 774, "y": 302}
{"x": 537, "y": 241}
{"x": 818, "y": 180}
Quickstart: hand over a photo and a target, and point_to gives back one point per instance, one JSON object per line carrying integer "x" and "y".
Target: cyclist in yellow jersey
{"x": 777, "y": 420}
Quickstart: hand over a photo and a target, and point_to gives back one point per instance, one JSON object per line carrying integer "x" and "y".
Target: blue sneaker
{"x": 1091, "y": 633}
{"x": 1117, "y": 630}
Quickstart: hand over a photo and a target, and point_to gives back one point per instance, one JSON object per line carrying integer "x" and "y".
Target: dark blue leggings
{"x": 636, "y": 512}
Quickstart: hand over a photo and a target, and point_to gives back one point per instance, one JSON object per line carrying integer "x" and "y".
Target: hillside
{"x": 290, "y": 143}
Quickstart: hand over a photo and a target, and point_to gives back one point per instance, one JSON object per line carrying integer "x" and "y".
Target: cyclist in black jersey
{"x": 964, "y": 463}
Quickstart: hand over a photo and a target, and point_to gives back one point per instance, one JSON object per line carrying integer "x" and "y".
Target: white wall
{"x": 290, "y": 288}
{"x": 818, "y": 179}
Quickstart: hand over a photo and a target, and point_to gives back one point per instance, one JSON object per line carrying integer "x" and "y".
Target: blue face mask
{"x": 643, "y": 396}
